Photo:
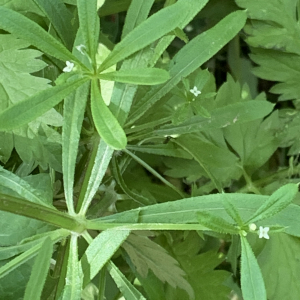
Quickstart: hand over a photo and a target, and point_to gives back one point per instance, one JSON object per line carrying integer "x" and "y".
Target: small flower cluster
{"x": 195, "y": 91}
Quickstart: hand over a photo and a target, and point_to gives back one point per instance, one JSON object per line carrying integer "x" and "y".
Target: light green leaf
{"x": 145, "y": 76}
{"x": 73, "y": 287}
{"x": 28, "y": 30}
{"x": 279, "y": 262}
{"x": 74, "y": 108}
{"x": 89, "y": 26}
{"x": 222, "y": 117}
{"x": 29, "y": 109}
{"x": 39, "y": 271}
{"x": 152, "y": 29}
{"x": 61, "y": 19}
{"x": 188, "y": 59}
{"x": 136, "y": 14}
{"x": 106, "y": 124}
{"x": 275, "y": 203}
{"x": 126, "y": 288}
{"x": 100, "y": 251}
{"x": 252, "y": 282}
{"x": 146, "y": 254}
{"x": 21, "y": 187}
{"x": 215, "y": 223}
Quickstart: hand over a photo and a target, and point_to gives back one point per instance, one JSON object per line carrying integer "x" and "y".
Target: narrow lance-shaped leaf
{"x": 276, "y": 202}
{"x": 100, "y": 251}
{"x": 61, "y": 19}
{"x": 192, "y": 56}
{"x": 28, "y": 30}
{"x": 125, "y": 286}
{"x": 29, "y": 109}
{"x": 144, "y": 76}
{"x": 253, "y": 287}
{"x": 89, "y": 25}
{"x": 106, "y": 124}
{"x": 72, "y": 289}
{"x": 215, "y": 223}
{"x": 152, "y": 29}
{"x": 39, "y": 271}
{"x": 74, "y": 108}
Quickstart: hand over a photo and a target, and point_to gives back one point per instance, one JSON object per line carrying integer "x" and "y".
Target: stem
{"x": 152, "y": 171}
{"x": 250, "y": 185}
{"x": 43, "y": 213}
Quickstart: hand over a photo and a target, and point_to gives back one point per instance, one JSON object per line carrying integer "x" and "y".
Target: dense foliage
{"x": 149, "y": 149}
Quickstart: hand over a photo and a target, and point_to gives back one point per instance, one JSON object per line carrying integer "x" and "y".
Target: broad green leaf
{"x": 145, "y": 76}
{"x": 89, "y": 26}
{"x": 125, "y": 286}
{"x": 106, "y": 124}
{"x": 73, "y": 287}
{"x": 222, "y": 117}
{"x": 74, "y": 108}
{"x": 100, "y": 251}
{"x": 39, "y": 271}
{"x": 275, "y": 203}
{"x": 152, "y": 29}
{"x": 61, "y": 19}
{"x": 21, "y": 187}
{"x": 215, "y": 223}
{"x": 34, "y": 106}
{"x": 146, "y": 254}
{"x": 101, "y": 162}
{"x": 279, "y": 263}
{"x": 136, "y": 14}
{"x": 188, "y": 59}
{"x": 252, "y": 282}
{"x": 22, "y": 7}
{"x": 26, "y": 29}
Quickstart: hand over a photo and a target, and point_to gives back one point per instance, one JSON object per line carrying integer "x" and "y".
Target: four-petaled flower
{"x": 195, "y": 91}
{"x": 69, "y": 66}
{"x": 263, "y": 232}
{"x": 81, "y": 48}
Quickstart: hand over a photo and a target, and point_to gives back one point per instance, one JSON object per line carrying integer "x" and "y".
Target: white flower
{"x": 263, "y": 232}
{"x": 69, "y": 66}
{"x": 195, "y": 91}
{"x": 81, "y": 48}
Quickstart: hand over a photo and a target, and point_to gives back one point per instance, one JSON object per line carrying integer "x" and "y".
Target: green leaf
{"x": 89, "y": 26}
{"x": 136, "y": 14}
{"x": 39, "y": 271}
{"x": 21, "y": 187}
{"x": 61, "y": 19}
{"x": 152, "y": 29}
{"x": 74, "y": 108}
{"x": 281, "y": 251}
{"x": 188, "y": 59}
{"x": 101, "y": 162}
{"x": 73, "y": 287}
{"x": 106, "y": 124}
{"x": 126, "y": 288}
{"x": 98, "y": 253}
{"x": 215, "y": 223}
{"x": 275, "y": 203}
{"x": 146, "y": 254}
{"x": 222, "y": 117}
{"x": 34, "y": 106}
{"x": 26, "y": 29}
{"x": 145, "y": 76}
{"x": 252, "y": 282}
